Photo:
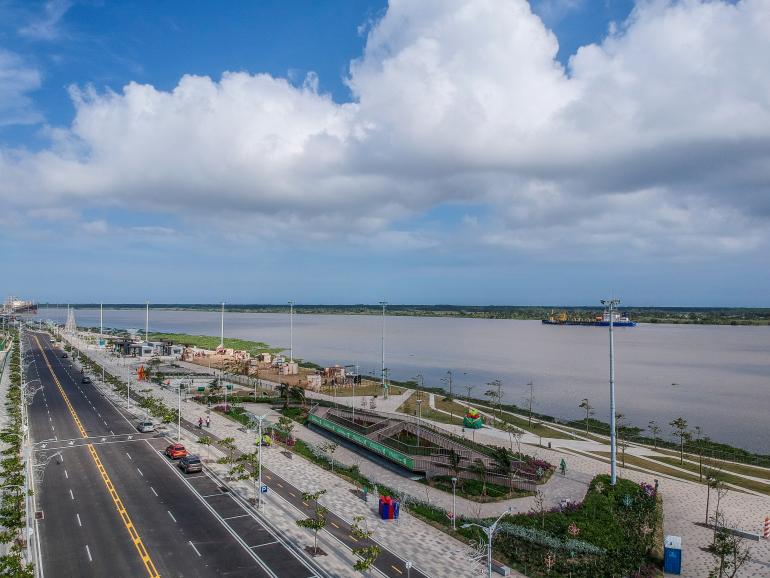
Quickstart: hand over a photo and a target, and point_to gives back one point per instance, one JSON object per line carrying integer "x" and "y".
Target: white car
{"x": 145, "y": 426}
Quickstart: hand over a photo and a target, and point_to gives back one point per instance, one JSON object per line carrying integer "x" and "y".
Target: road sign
{"x": 263, "y": 489}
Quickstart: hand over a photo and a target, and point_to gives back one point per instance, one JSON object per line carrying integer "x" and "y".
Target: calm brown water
{"x": 722, "y": 372}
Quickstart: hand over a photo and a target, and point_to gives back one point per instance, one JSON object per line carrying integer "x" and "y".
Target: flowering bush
{"x": 611, "y": 533}
{"x": 648, "y": 490}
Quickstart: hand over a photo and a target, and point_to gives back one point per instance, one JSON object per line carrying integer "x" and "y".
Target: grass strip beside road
{"x": 734, "y": 467}
{"x": 723, "y": 475}
{"x": 647, "y": 464}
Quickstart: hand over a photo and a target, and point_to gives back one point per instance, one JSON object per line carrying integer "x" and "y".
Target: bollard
{"x": 766, "y": 533}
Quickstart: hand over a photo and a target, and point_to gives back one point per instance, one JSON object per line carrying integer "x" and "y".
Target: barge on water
{"x": 618, "y": 320}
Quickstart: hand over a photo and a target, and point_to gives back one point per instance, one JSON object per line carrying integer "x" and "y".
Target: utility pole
{"x": 610, "y": 304}
{"x": 147, "y": 321}
{"x": 384, "y": 384}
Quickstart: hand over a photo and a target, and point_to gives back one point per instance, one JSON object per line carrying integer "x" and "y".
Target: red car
{"x": 176, "y": 451}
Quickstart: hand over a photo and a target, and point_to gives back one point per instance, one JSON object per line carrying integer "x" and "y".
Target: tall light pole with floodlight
{"x": 383, "y": 304}
{"x": 610, "y": 304}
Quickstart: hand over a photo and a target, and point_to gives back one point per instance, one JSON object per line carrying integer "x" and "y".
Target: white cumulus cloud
{"x": 656, "y": 139}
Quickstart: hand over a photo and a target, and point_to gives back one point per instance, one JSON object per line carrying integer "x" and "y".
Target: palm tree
{"x": 589, "y": 410}
{"x": 502, "y": 459}
{"x": 654, "y": 430}
{"x": 479, "y": 468}
{"x": 680, "y": 431}
{"x": 298, "y": 394}
{"x": 454, "y": 463}
{"x": 283, "y": 391}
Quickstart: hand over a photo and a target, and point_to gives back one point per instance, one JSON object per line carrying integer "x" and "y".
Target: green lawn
{"x": 720, "y": 464}
{"x": 475, "y": 490}
{"x": 723, "y": 475}
{"x": 366, "y": 388}
{"x": 210, "y": 342}
{"x": 538, "y": 429}
{"x": 409, "y": 407}
{"x": 649, "y": 465}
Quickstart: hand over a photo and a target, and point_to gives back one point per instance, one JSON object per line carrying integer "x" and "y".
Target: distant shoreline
{"x": 750, "y": 316}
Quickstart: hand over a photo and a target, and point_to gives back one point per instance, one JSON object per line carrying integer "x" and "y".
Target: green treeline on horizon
{"x": 688, "y": 315}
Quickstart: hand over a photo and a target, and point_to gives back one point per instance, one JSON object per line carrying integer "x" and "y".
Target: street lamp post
{"x": 490, "y": 532}
{"x": 610, "y": 304}
{"x": 384, "y": 384}
{"x": 260, "y": 419}
{"x": 179, "y": 414}
{"x": 421, "y": 386}
{"x": 448, "y": 381}
{"x": 147, "y": 321}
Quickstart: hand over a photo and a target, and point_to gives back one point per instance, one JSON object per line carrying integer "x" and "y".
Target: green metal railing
{"x": 363, "y": 441}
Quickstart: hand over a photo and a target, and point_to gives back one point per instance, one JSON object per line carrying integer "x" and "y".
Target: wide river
{"x": 717, "y": 377}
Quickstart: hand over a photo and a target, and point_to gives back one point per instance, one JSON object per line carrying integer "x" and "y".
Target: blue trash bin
{"x": 672, "y": 555}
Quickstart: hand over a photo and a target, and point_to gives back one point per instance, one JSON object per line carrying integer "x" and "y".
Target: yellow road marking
{"x": 306, "y": 504}
{"x": 135, "y": 538}
{"x": 396, "y": 569}
{"x": 292, "y": 494}
{"x": 335, "y": 525}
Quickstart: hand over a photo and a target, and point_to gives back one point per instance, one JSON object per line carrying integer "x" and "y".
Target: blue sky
{"x": 349, "y": 151}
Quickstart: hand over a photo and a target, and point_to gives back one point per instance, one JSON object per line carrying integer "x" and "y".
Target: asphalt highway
{"x": 110, "y": 504}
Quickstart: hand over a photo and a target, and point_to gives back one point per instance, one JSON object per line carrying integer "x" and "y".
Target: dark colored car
{"x": 64, "y": 356}
{"x": 190, "y": 464}
{"x": 176, "y": 451}
{"x": 85, "y": 380}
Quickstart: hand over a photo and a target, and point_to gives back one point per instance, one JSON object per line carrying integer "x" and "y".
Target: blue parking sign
{"x": 263, "y": 489}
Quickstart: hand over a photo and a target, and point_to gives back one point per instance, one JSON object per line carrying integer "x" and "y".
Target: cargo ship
{"x": 14, "y": 306}
{"x": 618, "y": 320}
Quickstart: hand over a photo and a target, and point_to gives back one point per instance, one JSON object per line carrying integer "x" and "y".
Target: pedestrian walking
{"x": 200, "y": 422}
{"x": 208, "y": 421}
